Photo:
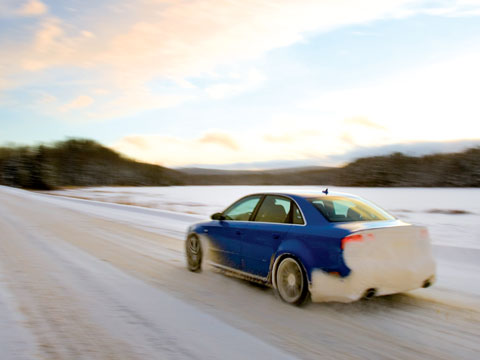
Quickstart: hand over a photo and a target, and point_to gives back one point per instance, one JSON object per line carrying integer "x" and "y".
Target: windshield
{"x": 345, "y": 209}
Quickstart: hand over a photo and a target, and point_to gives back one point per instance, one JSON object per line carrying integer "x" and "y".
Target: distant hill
{"x": 206, "y": 171}
{"x": 79, "y": 162}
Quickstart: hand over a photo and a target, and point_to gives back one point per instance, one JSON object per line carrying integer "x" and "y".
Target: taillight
{"x": 355, "y": 237}
{"x": 424, "y": 233}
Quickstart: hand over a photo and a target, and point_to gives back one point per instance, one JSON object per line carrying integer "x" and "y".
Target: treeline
{"x": 439, "y": 170}
{"x": 77, "y": 163}
{"x": 87, "y": 163}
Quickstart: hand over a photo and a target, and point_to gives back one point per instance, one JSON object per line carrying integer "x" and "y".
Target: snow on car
{"x": 334, "y": 247}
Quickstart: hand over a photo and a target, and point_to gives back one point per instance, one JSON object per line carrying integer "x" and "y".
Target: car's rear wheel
{"x": 291, "y": 281}
{"x": 193, "y": 251}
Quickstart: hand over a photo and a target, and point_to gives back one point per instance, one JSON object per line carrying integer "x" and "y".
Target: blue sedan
{"x": 329, "y": 246}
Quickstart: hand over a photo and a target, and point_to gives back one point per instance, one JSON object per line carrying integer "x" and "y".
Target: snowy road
{"x": 87, "y": 280}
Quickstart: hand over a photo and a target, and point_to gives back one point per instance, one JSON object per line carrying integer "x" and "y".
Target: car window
{"x": 274, "y": 209}
{"x": 297, "y": 217}
{"x": 343, "y": 209}
{"x": 242, "y": 209}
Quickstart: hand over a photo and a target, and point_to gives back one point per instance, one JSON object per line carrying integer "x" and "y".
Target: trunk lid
{"x": 389, "y": 257}
{"x": 367, "y": 225}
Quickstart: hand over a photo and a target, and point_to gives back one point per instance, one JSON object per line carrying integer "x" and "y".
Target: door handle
{"x": 238, "y": 232}
{"x": 276, "y": 236}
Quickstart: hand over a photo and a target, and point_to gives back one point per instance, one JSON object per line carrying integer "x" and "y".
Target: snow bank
{"x": 16, "y": 342}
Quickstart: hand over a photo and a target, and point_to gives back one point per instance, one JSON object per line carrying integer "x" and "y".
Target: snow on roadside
{"x": 16, "y": 342}
{"x": 162, "y": 222}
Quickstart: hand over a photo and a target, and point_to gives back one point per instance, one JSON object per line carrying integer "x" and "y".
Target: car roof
{"x": 310, "y": 193}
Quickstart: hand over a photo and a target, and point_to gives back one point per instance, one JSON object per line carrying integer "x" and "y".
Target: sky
{"x": 242, "y": 84}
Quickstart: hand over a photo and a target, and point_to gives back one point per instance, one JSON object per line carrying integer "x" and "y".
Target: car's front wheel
{"x": 291, "y": 281}
{"x": 193, "y": 251}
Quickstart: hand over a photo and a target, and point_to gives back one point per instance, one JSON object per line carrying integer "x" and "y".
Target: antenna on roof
{"x": 325, "y": 191}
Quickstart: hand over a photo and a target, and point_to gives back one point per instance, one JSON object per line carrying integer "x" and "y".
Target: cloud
{"x": 45, "y": 99}
{"x": 171, "y": 40}
{"x": 177, "y": 152}
{"x": 132, "y": 101}
{"x": 363, "y": 121}
{"x": 434, "y": 103}
{"x": 175, "y": 41}
{"x": 219, "y": 138}
{"x": 347, "y": 138}
{"x": 32, "y": 8}
{"x": 4, "y": 84}
{"x": 52, "y": 46}
{"x": 223, "y": 147}
{"x": 189, "y": 38}
{"x": 87, "y": 34}
{"x": 452, "y": 8}
{"x": 100, "y": 91}
{"x": 137, "y": 142}
{"x": 171, "y": 151}
{"x": 288, "y": 135}
{"x": 280, "y": 138}
{"x": 252, "y": 80}
{"x": 331, "y": 136}
{"x": 24, "y": 8}
{"x": 79, "y": 102}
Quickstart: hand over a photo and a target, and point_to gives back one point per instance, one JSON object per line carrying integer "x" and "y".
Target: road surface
{"x": 75, "y": 284}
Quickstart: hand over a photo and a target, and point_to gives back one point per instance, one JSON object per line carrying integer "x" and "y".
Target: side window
{"x": 338, "y": 210}
{"x": 274, "y": 209}
{"x": 325, "y": 207}
{"x": 297, "y": 217}
{"x": 242, "y": 209}
{"x": 341, "y": 208}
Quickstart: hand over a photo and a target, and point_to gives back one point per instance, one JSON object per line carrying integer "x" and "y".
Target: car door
{"x": 263, "y": 235}
{"x": 226, "y": 235}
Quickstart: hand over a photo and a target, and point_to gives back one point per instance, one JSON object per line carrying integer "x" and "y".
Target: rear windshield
{"x": 345, "y": 209}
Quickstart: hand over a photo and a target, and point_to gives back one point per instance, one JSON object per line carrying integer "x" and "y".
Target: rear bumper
{"x": 385, "y": 278}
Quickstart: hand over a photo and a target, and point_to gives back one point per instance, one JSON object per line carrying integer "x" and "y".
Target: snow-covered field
{"x": 83, "y": 279}
{"x": 452, "y": 215}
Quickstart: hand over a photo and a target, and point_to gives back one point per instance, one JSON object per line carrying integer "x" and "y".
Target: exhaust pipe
{"x": 370, "y": 293}
{"x": 429, "y": 282}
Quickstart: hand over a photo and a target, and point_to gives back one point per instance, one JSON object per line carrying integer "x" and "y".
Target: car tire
{"x": 194, "y": 253}
{"x": 291, "y": 281}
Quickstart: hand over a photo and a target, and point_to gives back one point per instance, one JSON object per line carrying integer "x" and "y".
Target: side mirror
{"x": 218, "y": 216}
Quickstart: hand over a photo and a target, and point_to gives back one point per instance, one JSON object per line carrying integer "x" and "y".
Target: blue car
{"x": 327, "y": 246}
